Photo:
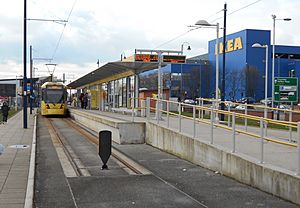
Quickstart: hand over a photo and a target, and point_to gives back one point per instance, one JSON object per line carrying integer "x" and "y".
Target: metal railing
{"x": 232, "y": 116}
{"x": 163, "y": 110}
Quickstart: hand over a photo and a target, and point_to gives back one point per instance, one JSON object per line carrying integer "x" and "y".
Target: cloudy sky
{"x": 104, "y": 30}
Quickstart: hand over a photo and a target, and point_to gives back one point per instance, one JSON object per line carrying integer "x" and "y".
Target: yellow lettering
{"x": 229, "y": 45}
{"x": 238, "y": 44}
{"x": 221, "y": 48}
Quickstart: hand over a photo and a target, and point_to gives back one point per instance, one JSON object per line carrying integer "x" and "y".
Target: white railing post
{"x": 194, "y": 119}
{"x": 228, "y": 118}
{"x": 233, "y": 132}
{"x": 265, "y": 123}
{"x": 132, "y": 113}
{"x": 179, "y": 119}
{"x": 290, "y": 128}
{"x": 168, "y": 110}
{"x": 199, "y": 103}
{"x": 202, "y": 111}
{"x": 262, "y": 140}
{"x": 148, "y": 108}
{"x": 298, "y": 150}
{"x": 246, "y": 120}
{"x": 212, "y": 126}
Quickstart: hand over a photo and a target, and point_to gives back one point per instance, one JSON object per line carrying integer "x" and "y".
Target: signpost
{"x": 286, "y": 89}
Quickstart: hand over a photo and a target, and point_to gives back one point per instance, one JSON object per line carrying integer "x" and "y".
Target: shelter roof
{"x": 112, "y": 68}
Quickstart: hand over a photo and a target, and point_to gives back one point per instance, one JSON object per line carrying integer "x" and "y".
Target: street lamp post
{"x": 181, "y": 72}
{"x": 25, "y": 69}
{"x": 160, "y": 78}
{"x": 257, "y": 45}
{"x": 273, "y": 53}
{"x": 188, "y": 48}
{"x": 206, "y": 24}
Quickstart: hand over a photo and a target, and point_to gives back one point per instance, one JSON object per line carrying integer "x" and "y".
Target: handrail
{"x": 241, "y": 115}
{"x": 248, "y": 105}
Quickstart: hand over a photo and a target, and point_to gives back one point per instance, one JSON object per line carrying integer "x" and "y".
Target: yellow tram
{"x": 54, "y": 99}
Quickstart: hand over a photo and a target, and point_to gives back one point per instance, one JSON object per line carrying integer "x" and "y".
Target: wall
{"x": 268, "y": 178}
{"x": 123, "y": 132}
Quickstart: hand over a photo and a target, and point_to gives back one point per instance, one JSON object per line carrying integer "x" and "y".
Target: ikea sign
{"x": 231, "y": 45}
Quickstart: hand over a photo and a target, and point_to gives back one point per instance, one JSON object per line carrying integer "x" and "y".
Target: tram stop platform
{"x": 15, "y": 162}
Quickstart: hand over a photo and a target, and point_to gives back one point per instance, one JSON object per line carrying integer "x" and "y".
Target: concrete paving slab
{"x": 209, "y": 187}
{"x": 14, "y": 163}
{"x": 128, "y": 191}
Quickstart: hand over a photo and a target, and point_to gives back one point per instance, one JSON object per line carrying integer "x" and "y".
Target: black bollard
{"x": 104, "y": 147}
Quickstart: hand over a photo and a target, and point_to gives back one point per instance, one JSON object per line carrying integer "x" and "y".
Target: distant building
{"x": 245, "y": 66}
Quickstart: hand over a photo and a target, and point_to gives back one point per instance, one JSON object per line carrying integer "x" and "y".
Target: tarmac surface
{"x": 173, "y": 182}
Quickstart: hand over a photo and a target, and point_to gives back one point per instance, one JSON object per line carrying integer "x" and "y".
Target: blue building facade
{"x": 245, "y": 65}
{"x": 180, "y": 80}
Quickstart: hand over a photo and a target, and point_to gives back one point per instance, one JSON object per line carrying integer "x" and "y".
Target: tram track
{"x": 71, "y": 163}
{"x": 125, "y": 162}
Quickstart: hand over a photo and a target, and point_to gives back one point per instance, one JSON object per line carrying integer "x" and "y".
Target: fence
{"x": 197, "y": 115}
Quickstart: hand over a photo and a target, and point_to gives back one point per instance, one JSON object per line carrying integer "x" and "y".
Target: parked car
{"x": 282, "y": 106}
{"x": 269, "y": 101}
{"x": 248, "y": 100}
{"x": 240, "y": 107}
{"x": 189, "y": 101}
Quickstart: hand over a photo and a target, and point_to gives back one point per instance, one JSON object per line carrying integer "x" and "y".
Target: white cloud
{"x": 104, "y": 29}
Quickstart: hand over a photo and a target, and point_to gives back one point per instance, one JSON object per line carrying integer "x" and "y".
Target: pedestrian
{"x": 85, "y": 100}
{"x": 5, "y": 109}
{"x": 81, "y": 100}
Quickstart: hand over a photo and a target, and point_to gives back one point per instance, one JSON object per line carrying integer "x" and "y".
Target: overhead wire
{"x": 61, "y": 35}
{"x": 178, "y": 36}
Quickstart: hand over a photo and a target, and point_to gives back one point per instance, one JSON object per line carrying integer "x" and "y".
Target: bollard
{"x": 212, "y": 126}
{"x": 104, "y": 147}
{"x": 261, "y": 123}
{"x": 298, "y": 150}
{"x": 194, "y": 119}
{"x": 233, "y": 132}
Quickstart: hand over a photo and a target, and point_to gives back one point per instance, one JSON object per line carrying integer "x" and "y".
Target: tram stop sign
{"x": 286, "y": 89}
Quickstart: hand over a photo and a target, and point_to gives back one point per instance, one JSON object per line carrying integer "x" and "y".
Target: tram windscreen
{"x": 54, "y": 96}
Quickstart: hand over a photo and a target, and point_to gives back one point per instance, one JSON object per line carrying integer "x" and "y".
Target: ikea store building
{"x": 245, "y": 65}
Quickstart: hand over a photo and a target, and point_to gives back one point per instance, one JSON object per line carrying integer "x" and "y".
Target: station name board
{"x": 154, "y": 58}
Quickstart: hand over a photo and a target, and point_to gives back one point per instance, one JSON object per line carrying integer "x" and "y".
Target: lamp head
{"x": 287, "y": 19}
{"x": 202, "y": 23}
{"x": 258, "y": 45}
{"x": 189, "y": 48}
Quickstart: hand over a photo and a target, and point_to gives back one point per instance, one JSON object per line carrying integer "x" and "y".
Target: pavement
{"x": 15, "y": 161}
